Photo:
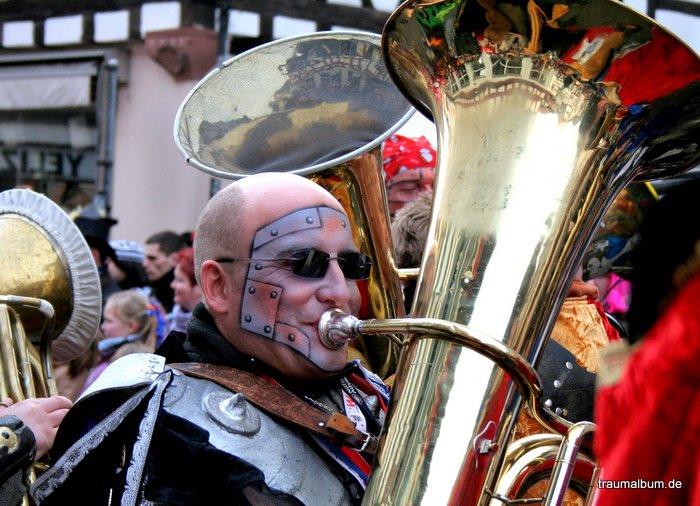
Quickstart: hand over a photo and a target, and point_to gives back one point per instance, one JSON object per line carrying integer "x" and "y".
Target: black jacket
{"x": 182, "y": 466}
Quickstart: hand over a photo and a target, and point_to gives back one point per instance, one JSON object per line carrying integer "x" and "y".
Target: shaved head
{"x": 264, "y": 307}
{"x": 229, "y": 220}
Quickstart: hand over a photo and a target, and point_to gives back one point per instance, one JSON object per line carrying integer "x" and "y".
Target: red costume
{"x": 649, "y": 422}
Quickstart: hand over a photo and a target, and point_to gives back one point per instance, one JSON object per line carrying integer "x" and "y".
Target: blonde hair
{"x": 128, "y": 306}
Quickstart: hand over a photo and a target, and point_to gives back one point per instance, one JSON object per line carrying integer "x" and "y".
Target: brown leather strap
{"x": 280, "y": 402}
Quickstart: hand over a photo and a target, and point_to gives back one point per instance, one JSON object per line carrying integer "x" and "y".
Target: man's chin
{"x": 328, "y": 367}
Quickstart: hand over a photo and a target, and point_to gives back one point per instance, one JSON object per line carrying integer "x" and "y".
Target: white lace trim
{"x": 134, "y": 474}
{"x": 59, "y": 472}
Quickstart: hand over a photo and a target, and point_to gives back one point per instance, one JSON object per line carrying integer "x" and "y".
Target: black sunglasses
{"x": 313, "y": 263}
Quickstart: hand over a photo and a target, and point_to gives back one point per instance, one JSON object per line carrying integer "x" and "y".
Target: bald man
{"x": 249, "y": 405}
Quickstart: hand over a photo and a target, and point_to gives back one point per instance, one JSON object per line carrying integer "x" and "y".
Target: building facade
{"x": 89, "y": 92}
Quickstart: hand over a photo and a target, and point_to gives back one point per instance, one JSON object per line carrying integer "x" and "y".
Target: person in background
{"x": 160, "y": 256}
{"x": 71, "y": 377}
{"x": 129, "y": 325}
{"x": 408, "y": 234}
{"x": 126, "y": 266}
{"x": 28, "y": 429}
{"x": 96, "y": 233}
{"x": 170, "y": 428}
{"x": 186, "y": 289}
{"x": 409, "y": 169}
{"x": 647, "y": 402}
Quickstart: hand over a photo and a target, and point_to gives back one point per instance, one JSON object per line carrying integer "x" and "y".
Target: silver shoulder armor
{"x": 239, "y": 428}
{"x": 129, "y": 371}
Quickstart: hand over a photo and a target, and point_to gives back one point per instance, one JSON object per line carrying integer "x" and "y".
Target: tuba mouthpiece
{"x": 336, "y": 328}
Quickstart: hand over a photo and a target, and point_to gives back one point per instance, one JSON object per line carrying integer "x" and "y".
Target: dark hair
{"x": 669, "y": 233}
{"x": 134, "y": 275}
{"x": 169, "y": 241}
{"x": 188, "y": 238}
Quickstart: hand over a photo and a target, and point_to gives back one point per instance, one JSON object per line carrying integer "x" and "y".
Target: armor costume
{"x": 17, "y": 450}
{"x": 148, "y": 434}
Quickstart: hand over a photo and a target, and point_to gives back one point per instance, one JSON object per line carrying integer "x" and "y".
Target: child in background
{"x": 129, "y": 325}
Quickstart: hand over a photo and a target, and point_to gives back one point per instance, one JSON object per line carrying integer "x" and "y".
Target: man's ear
{"x": 214, "y": 286}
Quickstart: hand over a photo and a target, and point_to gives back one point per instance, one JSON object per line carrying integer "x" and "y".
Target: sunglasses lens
{"x": 355, "y": 265}
{"x": 310, "y": 263}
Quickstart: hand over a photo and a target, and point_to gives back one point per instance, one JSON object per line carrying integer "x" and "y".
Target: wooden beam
{"x": 324, "y": 14}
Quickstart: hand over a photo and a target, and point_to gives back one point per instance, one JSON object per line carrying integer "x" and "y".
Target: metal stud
{"x": 274, "y": 232}
{"x": 268, "y": 329}
{"x": 569, "y": 365}
{"x": 309, "y": 220}
{"x": 273, "y": 294}
{"x": 251, "y": 289}
{"x": 248, "y": 318}
{"x": 557, "y": 384}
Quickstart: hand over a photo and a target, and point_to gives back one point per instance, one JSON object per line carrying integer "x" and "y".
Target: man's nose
{"x": 335, "y": 288}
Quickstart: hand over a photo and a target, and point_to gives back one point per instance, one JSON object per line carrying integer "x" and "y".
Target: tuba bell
{"x": 317, "y": 105}
{"x": 50, "y": 298}
{"x": 544, "y": 113}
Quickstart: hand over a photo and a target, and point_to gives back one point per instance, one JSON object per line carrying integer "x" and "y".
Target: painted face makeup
{"x": 291, "y": 256}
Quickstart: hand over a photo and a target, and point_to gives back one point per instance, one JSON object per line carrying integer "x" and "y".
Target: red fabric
{"x": 649, "y": 423}
{"x": 612, "y": 333}
{"x": 401, "y": 153}
{"x": 409, "y": 169}
{"x": 678, "y": 68}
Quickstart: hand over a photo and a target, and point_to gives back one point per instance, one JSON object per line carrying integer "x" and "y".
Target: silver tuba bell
{"x": 317, "y": 105}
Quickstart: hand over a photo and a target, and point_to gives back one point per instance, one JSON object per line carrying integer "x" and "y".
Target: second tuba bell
{"x": 317, "y": 105}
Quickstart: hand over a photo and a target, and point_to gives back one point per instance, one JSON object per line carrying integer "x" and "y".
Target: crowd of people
{"x": 191, "y": 320}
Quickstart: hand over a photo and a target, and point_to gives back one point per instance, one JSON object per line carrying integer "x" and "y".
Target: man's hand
{"x": 41, "y": 415}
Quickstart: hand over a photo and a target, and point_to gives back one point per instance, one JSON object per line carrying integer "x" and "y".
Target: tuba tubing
{"x": 26, "y": 373}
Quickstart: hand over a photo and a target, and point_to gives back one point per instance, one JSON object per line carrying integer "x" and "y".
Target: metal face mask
{"x": 260, "y": 301}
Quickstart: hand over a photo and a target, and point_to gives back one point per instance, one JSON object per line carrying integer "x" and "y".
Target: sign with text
{"x": 54, "y": 162}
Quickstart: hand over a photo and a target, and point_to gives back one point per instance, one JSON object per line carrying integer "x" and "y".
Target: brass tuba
{"x": 50, "y": 297}
{"x": 544, "y": 113}
{"x": 318, "y": 105}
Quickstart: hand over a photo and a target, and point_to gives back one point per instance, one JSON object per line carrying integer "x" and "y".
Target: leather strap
{"x": 280, "y": 402}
